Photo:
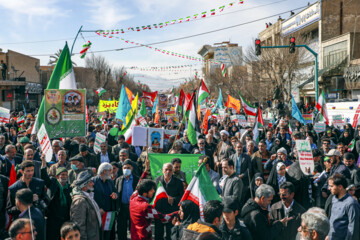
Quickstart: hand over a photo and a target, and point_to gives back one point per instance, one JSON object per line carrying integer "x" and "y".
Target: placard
{"x": 155, "y": 137}
{"x": 306, "y": 160}
{"x": 108, "y": 106}
{"x": 99, "y": 139}
{"x": 45, "y": 144}
{"x": 163, "y": 101}
{"x": 251, "y": 119}
{"x": 139, "y": 136}
{"x": 241, "y": 120}
{"x": 319, "y": 127}
{"x": 4, "y": 115}
{"x": 65, "y": 112}
{"x": 337, "y": 120}
{"x": 308, "y": 118}
{"x": 356, "y": 117}
{"x": 233, "y": 118}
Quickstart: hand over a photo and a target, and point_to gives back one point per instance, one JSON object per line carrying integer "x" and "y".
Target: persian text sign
{"x": 65, "y": 112}
{"x": 338, "y": 120}
{"x": 45, "y": 143}
{"x": 305, "y": 156}
{"x": 110, "y": 106}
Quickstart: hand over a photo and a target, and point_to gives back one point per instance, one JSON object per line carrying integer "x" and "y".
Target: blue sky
{"x": 42, "y": 20}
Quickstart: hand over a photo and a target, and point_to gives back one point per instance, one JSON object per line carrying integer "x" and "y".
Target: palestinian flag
{"x": 201, "y": 189}
{"x": 108, "y": 219}
{"x": 20, "y": 120}
{"x": 321, "y": 107}
{"x": 352, "y": 145}
{"x": 180, "y": 102}
{"x": 12, "y": 178}
{"x": 248, "y": 108}
{"x": 193, "y": 127}
{"x": 100, "y": 91}
{"x": 159, "y": 194}
{"x": 203, "y": 92}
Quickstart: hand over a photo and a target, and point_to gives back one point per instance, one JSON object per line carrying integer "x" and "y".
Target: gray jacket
{"x": 233, "y": 188}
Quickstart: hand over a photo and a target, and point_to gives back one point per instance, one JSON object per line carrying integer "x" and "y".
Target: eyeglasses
{"x": 33, "y": 231}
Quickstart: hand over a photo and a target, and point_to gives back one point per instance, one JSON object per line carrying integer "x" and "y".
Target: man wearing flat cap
{"x": 223, "y": 150}
{"x": 90, "y": 159}
{"x": 84, "y": 210}
{"x": 77, "y": 166}
{"x": 58, "y": 192}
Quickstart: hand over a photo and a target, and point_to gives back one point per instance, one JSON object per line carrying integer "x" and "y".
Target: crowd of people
{"x": 83, "y": 195}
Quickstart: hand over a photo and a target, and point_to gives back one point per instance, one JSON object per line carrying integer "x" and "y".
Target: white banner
{"x": 45, "y": 143}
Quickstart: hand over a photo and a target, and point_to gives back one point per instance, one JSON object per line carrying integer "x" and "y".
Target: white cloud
{"x": 107, "y": 13}
{"x": 34, "y": 8}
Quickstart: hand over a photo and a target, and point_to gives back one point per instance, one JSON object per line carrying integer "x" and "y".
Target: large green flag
{"x": 61, "y": 78}
{"x": 189, "y": 163}
{"x": 143, "y": 108}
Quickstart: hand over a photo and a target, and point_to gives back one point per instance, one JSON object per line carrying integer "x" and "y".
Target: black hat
{"x": 230, "y": 205}
{"x": 127, "y": 162}
{"x": 77, "y": 158}
{"x": 125, "y": 145}
{"x": 116, "y": 164}
{"x": 83, "y": 148}
{"x": 121, "y": 137}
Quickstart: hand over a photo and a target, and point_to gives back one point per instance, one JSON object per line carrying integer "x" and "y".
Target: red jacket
{"x": 141, "y": 215}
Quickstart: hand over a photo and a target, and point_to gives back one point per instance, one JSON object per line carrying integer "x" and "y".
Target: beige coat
{"x": 83, "y": 213}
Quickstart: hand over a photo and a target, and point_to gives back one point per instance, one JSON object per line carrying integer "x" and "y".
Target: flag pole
{"x": 72, "y": 47}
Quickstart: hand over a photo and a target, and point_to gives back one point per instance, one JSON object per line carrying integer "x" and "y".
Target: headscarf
{"x": 280, "y": 179}
{"x": 191, "y": 212}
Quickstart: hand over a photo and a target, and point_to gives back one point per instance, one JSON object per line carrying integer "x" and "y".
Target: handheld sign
{"x": 45, "y": 143}
{"x": 99, "y": 139}
{"x": 320, "y": 127}
{"x": 305, "y": 156}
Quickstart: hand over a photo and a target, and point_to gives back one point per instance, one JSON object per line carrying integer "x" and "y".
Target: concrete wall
{"x": 339, "y": 17}
{"x": 24, "y": 63}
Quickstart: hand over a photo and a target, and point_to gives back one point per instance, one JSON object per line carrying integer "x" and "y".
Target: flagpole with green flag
{"x": 61, "y": 78}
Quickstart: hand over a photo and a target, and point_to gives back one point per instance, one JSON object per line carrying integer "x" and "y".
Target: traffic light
{"x": 292, "y": 45}
{"x": 257, "y": 47}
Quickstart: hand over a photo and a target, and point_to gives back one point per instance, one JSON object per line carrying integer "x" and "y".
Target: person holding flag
{"x": 174, "y": 189}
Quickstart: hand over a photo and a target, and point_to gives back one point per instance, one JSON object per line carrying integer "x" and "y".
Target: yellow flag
{"x": 133, "y": 111}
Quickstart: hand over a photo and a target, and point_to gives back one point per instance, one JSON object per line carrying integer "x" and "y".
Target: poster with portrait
{"x": 156, "y": 138}
{"x": 65, "y": 112}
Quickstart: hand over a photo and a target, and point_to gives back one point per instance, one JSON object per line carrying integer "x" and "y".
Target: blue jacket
{"x": 101, "y": 198}
{"x": 344, "y": 220}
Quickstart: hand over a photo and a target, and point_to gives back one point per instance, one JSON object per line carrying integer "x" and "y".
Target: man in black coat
{"x": 125, "y": 186}
{"x": 4, "y": 183}
{"x": 105, "y": 194}
{"x": 27, "y": 180}
{"x": 24, "y": 199}
{"x": 9, "y": 159}
{"x": 175, "y": 190}
{"x": 255, "y": 215}
{"x": 104, "y": 155}
{"x": 58, "y": 193}
{"x": 289, "y": 208}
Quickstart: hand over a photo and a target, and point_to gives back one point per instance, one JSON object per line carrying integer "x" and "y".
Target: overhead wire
{"x": 185, "y": 37}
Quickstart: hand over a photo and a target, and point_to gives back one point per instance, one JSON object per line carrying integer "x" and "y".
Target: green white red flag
{"x": 193, "y": 127}
{"x": 108, "y": 219}
{"x": 100, "y": 91}
{"x": 159, "y": 194}
{"x": 321, "y": 107}
{"x": 201, "y": 189}
{"x": 248, "y": 108}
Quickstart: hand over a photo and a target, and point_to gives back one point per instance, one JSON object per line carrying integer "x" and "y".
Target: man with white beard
{"x": 105, "y": 194}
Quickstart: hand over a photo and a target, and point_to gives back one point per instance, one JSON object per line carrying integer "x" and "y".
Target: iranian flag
{"x": 20, "y": 120}
{"x": 193, "y": 128}
{"x": 201, "y": 189}
{"x": 203, "y": 92}
{"x": 100, "y": 91}
{"x": 61, "y": 78}
{"x": 180, "y": 102}
{"x": 352, "y": 145}
{"x": 259, "y": 123}
{"x": 159, "y": 194}
{"x": 108, "y": 220}
{"x": 321, "y": 107}
{"x": 127, "y": 132}
{"x": 290, "y": 129}
{"x": 248, "y": 108}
